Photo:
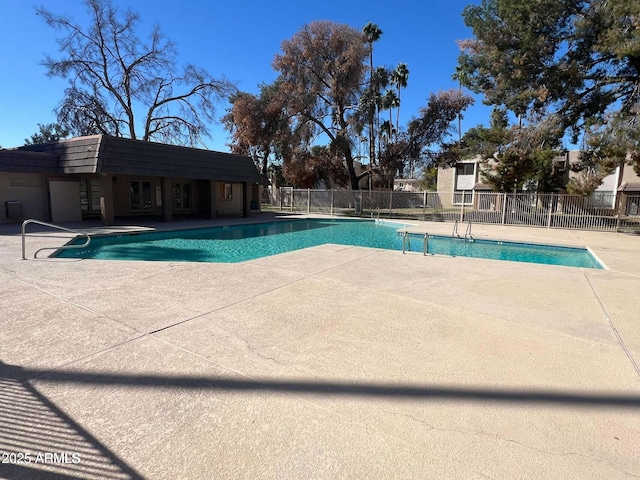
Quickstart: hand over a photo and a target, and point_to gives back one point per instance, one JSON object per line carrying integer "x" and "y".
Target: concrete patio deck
{"x": 329, "y": 362}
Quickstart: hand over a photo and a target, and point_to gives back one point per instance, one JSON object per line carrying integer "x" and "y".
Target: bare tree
{"x": 121, "y": 85}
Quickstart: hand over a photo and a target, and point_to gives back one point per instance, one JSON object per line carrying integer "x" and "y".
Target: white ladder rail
{"x": 51, "y": 225}
{"x": 467, "y": 232}
{"x": 406, "y": 242}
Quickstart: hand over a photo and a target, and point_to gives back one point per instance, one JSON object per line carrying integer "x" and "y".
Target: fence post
{"x": 332, "y": 202}
{"x": 390, "y": 201}
{"x": 550, "y": 210}
{"x": 308, "y": 201}
{"x": 504, "y": 206}
{"x": 462, "y": 206}
{"x": 619, "y": 207}
{"x": 292, "y": 195}
{"x": 280, "y": 191}
{"x": 424, "y": 204}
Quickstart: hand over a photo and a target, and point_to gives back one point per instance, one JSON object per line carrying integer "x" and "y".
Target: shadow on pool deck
{"x": 420, "y": 392}
{"x": 32, "y": 423}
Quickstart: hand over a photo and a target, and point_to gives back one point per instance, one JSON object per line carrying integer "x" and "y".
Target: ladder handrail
{"x": 35, "y": 255}
{"x": 406, "y": 241}
{"x": 467, "y": 232}
{"x": 455, "y": 229}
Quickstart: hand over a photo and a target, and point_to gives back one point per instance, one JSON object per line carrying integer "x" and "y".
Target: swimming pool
{"x": 240, "y": 243}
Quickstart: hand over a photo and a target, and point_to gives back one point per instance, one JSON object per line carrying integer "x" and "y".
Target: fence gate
{"x": 286, "y": 197}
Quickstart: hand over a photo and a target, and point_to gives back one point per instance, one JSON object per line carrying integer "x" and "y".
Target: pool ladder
{"x": 406, "y": 243}
{"x": 467, "y": 232}
{"x": 51, "y": 225}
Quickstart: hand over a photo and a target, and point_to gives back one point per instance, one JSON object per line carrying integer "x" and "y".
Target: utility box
{"x": 13, "y": 209}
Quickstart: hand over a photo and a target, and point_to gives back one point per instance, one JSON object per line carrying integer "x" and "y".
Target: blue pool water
{"x": 247, "y": 242}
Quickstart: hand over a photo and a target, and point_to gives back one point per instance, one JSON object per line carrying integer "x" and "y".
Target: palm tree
{"x": 389, "y": 102}
{"x": 458, "y": 77}
{"x": 399, "y": 78}
{"x": 380, "y": 82}
{"x": 372, "y": 34}
{"x": 386, "y": 131}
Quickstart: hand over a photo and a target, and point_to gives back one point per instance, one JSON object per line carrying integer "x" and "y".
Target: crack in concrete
{"x": 613, "y": 327}
{"x": 63, "y": 299}
{"x": 332, "y": 412}
{"x": 257, "y": 295}
{"x": 509, "y": 440}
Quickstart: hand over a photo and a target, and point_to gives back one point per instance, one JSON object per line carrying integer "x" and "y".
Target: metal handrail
{"x": 35, "y": 255}
{"x": 455, "y": 230}
{"x": 467, "y": 232}
{"x": 406, "y": 242}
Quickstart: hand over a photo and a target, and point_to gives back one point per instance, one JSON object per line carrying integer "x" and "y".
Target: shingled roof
{"x": 629, "y": 187}
{"x": 106, "y": 154}
{"x": 13, "y": 160}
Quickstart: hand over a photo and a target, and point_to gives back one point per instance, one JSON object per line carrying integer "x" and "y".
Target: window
{"x": 90, "y": 193}
{"x": 226, "y": 191}
{"x": 465, "y": 179}
{"x": 140, "y": 196}
{"x": 181, "y": 196}
{"x": 465, "y": 168}
{"x": 84, "y": 195}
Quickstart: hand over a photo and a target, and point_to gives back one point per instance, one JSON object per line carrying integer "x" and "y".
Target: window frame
{"x": 145, "y": 202}
{"x": 181, "y": 188}
{"x": 225, "y": 191}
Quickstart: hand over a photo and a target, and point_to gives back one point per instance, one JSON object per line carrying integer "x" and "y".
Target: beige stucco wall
{"x": 629, "y": 175}
{"x": 406, "y": 185}
{"x": 626, "y": 174}
{"x": 232, "y": 206}
{"x": 32, "y": 191}
{"x": 445, "y": 185}
{"x": 28, "y": 188}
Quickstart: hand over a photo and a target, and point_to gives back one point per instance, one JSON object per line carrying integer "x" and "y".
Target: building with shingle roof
{"x": 108, "y": 177}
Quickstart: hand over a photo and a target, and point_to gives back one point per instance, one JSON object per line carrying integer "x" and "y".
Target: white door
{"x": 65, "y": 201}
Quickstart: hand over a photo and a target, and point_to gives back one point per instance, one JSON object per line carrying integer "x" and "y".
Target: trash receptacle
{"x": 13, "y": 209}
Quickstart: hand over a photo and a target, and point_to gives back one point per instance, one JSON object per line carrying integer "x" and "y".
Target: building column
{"x": 246, "y": 193}
{"x": 167, "y": 203}
{"x": 106, "y": 199}
{"x": 213, "y": 196}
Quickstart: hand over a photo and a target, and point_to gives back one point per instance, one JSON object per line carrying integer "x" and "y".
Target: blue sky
{"x": 237, "y": 40}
